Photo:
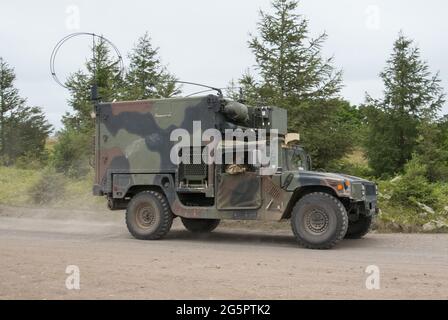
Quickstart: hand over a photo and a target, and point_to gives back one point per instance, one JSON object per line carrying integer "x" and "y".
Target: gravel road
{"x": 37, "y": 245}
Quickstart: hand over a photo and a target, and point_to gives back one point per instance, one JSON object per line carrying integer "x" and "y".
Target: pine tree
{"x": 147, "y": 78}
{"x": 103, "y": 71}
{"x": 432, "y": 149}
{"x": 246, "y": 89}
{"x": 74, "y": 148}
{"x": 23, "y": 129}
{"x": 289, "y": 60}
{"x": 27, "y": 130}
{"x": 9, "y": 100}
{"x": 293, "y": 74}
{"x": 412, "y": 96}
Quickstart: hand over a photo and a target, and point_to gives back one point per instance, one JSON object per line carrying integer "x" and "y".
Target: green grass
{"x": 410, "y": 217}
{"x": 15, "y": 185}
{"x": 79, "y": 193}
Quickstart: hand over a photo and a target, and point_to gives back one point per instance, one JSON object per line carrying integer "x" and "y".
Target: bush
{"x": 49, "y": 187}
{"x": 440, "y": 191}
{"x": 413, "y": 186}
{"x": 352, "y": 169}
{"x": 354, "y": 164}
{"x": 30, "y": 161}
{"x": 71, "y": 154}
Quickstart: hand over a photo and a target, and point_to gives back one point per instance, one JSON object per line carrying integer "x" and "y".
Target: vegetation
{"x": 292, "y": 73}
{"x": 23, "y": 129}
{"x": 412, "y": 99}
{"x": 72, "y": 153}
{"x": 147, "y": 77}
{"x": 30, "y": 187}
{"x": 49, "y": 187}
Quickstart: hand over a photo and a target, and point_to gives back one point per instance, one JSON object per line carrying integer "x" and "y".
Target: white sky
{"x": 206, "y": 40}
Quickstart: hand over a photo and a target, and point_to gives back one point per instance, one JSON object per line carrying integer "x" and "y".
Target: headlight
{"x": 357, "y": 191}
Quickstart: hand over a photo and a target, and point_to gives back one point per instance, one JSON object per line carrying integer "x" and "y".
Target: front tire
{"x": 319, "y": 221}
{"x": 148, "y": 216}
{"x": 200, "y": 225}
{"x": 358, "y": 229}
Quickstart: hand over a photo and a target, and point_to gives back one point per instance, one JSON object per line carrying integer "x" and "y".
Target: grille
{"x": 196, "y": 169}
{"x": 370, "y": 190}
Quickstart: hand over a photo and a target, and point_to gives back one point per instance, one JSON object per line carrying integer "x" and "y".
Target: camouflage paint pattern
{"x": 132, "y": 150}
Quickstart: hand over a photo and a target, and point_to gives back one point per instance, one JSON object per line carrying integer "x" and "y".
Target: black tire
{"x": 358, "y": 229}
{"x": 200, "y": 225}
{"x": 319, "y": 221}
{"x": 148, "y": 216}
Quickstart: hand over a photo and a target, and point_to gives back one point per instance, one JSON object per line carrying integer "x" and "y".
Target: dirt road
{"x": 36, "y": 246}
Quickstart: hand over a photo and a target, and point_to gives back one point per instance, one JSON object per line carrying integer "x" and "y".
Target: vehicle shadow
{"x": 238, "y": 237}
{"x": 242, "y": 237}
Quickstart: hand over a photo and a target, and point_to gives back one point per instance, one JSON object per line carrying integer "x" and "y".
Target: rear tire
{"x": 359, "y": 228}
{"x": 200, "y": 225}
{"x": 148, "y": 216}
{"x": 319, "y": 221}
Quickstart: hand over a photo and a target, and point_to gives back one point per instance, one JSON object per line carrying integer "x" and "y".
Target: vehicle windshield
{"x": 296, "y": 159}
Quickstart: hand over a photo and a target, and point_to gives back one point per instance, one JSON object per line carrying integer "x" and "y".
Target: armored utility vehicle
{"x": 134, "y": 169}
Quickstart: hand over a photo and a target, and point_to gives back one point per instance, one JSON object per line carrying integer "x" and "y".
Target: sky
{"x": 205, "y": 41}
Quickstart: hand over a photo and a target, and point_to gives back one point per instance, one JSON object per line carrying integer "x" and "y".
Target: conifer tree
{"x": 293, "y": 74}
{"x": 23, "y": 129}
{"x": 147, "y": 77}
{"x": 412, "y": 96}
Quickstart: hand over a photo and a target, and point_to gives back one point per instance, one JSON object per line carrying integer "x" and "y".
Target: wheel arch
{"x": 136, "y": 189}
{"x": 301, "y": 192}
{"x": 122, "y": 203}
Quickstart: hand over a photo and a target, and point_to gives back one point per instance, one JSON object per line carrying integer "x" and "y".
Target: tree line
{"x": 401, "y": 129}
{"x": 23, "y": 128}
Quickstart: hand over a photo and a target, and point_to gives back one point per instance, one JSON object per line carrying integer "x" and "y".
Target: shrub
{"x": 71, "y": 154}
{"x": 30, "y": 161}
{"x": 49, "y": 187}
{"x": 413, "y": 186}
{"x": 353, "y": 169}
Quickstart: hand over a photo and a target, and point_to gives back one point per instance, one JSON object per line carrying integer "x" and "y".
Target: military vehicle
{"x": 133, "y": 169}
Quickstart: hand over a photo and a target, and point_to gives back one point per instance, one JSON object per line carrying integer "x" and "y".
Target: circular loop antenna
{"x": 78, "y": 34}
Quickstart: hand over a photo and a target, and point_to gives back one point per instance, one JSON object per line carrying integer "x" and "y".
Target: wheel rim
{"x": 316, "y": 221}
{"x": 146, "y": 216}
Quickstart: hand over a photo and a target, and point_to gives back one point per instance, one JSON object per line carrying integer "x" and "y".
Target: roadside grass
{"x": 14, "y": 185}
{"x": 18, "y": 187}
{"x": 414, "y": 216}
{"x": 79, "y": 193}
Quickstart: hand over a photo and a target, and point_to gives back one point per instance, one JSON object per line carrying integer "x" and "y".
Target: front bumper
{"x": 366, "y": 193}
{"x": 371, "y": 207}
